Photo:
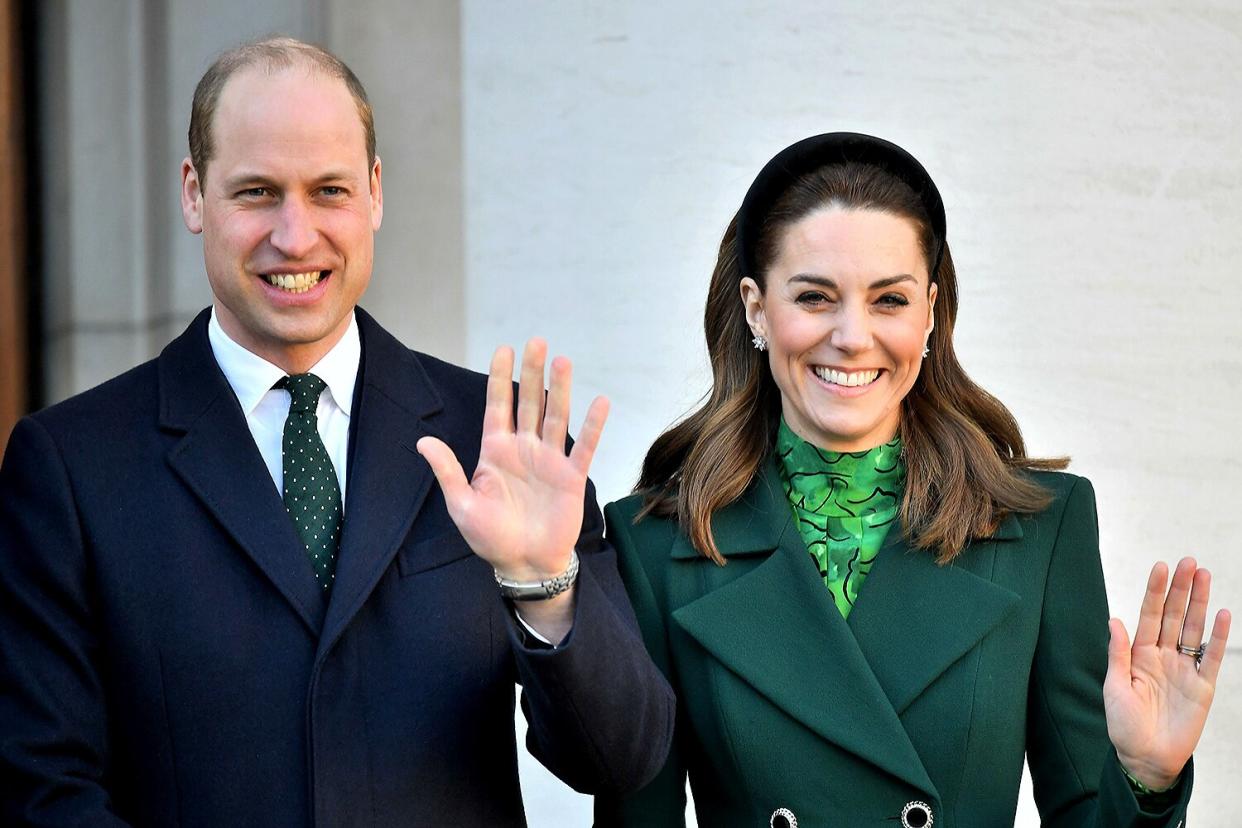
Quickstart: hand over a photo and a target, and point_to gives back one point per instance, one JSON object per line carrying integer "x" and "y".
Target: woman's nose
{"x": 852, "y": 331}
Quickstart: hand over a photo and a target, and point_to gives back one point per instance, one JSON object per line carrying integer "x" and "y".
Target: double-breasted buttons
{"x": 782, "y": 818}
{"x": 916, "y": 815}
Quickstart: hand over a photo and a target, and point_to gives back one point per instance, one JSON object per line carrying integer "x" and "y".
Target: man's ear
{"x": 377, "y": 196}
{"x": 191, "y": 197}
{"x": 752, "y": 300}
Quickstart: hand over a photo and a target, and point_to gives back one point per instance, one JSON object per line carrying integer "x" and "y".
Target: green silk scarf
{"x": 844, "y": 504}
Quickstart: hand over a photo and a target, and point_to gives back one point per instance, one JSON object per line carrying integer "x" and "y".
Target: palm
{"x": 522, "y": 510}
{"x": 1156, "y": 699}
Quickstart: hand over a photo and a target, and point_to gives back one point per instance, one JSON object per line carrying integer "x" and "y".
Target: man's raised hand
{"x": 522, "y": 510}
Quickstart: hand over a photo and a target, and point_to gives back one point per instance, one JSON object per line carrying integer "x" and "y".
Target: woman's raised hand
{"x": 522, "y": 510}
{"x": 1156, "y": 696}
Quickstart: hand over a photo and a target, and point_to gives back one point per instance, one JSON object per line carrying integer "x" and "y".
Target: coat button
{"x": 782, "y": 818}
{"x": 916, "y": 815}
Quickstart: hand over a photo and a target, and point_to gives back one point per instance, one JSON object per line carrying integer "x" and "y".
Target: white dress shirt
{"x": 252, "y": 377}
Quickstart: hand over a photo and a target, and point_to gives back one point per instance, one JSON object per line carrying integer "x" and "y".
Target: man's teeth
{"x": 294, "y": 282}
{"x": 842, "y": 378}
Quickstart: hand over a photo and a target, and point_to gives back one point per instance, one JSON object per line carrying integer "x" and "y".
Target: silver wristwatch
{"x": 540, "y": 590}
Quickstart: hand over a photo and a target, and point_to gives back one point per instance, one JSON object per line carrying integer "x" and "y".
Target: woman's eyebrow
{"x": 824, "y": 281}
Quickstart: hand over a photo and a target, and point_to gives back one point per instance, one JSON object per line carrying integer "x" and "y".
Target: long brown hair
{"x": 964, "y": 453}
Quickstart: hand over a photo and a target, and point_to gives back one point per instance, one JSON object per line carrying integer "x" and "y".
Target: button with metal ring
{"x": 782, "y": 818}
{"x": 916, "y": 815}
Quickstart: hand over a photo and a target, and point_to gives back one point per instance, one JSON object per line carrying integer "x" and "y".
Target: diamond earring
{"x": 926, "y": 351}
{"x": 760, "y": 343}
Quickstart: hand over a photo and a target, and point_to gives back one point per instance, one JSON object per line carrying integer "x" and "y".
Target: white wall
{"x": 1089, "y": 160}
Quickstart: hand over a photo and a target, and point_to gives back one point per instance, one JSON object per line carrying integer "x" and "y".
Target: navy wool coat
{"x": 167, "y": 659}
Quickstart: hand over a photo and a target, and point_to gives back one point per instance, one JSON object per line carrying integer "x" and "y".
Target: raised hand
{"x": 1156, "y": 698}
{"x": 522, "y": 511}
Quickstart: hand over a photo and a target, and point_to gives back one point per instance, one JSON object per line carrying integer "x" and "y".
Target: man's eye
{"x": 253, "y": 192}
{"x": 333, "y": 191}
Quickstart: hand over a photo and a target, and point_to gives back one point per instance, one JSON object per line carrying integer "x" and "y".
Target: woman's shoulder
{"x": 1071, "y": 500}
{"x": 1059, "y": 484}
{"x": 649, "y": 537}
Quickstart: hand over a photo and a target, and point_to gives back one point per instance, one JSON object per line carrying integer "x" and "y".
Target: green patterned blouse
{"x": 844, "y": 504}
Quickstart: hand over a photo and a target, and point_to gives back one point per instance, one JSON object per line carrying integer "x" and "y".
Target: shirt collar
{"x": 251, "y": 376}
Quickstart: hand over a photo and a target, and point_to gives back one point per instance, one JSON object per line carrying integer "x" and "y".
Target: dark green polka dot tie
{"x": 312, "y": 495}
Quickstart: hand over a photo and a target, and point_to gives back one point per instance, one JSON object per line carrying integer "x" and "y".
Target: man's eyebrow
{"x": 824, "y": 281}
{"x": 246, "y": 179}
{"x": 243, "y": 180}
{"x": 336, "y": 175}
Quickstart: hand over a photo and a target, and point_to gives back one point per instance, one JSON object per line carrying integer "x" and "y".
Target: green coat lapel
{"x": 776, "y": 627}
{"x": 942, "y": 612}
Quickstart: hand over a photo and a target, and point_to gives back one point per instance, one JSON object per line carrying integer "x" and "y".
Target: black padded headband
{"x": 809, "y": 154}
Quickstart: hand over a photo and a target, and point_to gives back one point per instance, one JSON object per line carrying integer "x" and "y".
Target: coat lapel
{"x": 777, "y": 628}
{"x": 218, "y": 460}
{"x": 387, "y": 479}
{"x": 915, "y": 618}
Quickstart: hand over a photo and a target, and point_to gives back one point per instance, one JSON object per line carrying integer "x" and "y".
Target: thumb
{"x": 448, "y": 472}
{"x": 1117, "y": 680}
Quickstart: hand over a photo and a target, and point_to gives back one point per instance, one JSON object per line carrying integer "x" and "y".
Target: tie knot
{"x": 304, "y": 391}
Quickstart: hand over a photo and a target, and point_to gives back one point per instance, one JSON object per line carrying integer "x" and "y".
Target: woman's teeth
{"x": 294, "y": 282}
{"x": 842, "y": 378}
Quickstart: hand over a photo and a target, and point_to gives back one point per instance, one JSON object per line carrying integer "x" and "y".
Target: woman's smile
{"x": 846, "y": 383}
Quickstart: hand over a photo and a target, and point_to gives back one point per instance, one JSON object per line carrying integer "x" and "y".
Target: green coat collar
{"x": 775, "y": 625}
{"x": 756, "y": 521}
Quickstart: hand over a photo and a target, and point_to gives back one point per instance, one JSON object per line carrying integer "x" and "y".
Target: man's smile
{"x": 296, "y": 282}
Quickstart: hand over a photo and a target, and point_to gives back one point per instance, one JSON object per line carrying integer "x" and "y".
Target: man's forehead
{"x": 275, "y": 84}
{"x": 290, "y": 111}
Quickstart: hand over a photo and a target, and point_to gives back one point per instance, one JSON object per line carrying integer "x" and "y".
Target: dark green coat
{"x": 941, "y": 681}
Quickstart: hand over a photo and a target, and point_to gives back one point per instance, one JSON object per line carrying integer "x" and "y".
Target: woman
{"x": 871, "y": 603}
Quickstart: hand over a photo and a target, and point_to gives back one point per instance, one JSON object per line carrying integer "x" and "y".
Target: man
{"x": 231, "y": 592}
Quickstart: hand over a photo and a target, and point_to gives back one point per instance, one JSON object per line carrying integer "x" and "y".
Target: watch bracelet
{"x": 540, "y": 590}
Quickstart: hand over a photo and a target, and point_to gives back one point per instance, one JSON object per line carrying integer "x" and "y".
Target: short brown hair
{"x": 273, "y": 54}
{"x": 966, "y": 462}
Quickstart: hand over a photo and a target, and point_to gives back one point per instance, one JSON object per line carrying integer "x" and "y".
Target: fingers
{"x": 588, "y": 438}
{"x": 1117, "y": 680}
{"x": 1215, "y": 651}
{"x": 530, "y": 387}
{"x": 498, "y": 415}
{"x": 448, "y": 472}
{"x": 1148, "y": 630}
{"x": 1175, "y": 604}
{"x": 1196, "y": 612}
{"x": 556, "y": 420}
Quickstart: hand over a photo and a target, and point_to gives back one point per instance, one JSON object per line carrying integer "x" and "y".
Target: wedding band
{"x": 1197, "y": 652}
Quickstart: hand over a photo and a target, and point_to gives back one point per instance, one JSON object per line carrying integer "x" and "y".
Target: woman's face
{"x": 846, "y": 313}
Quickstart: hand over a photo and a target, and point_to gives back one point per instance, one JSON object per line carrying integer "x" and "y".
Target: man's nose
{"x": 852, "y": 332}
{"x": 294, "y": 233}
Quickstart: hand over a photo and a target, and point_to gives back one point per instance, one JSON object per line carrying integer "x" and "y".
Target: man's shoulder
{"x": 455, "y": 385}
{"x": 105, "y": 407}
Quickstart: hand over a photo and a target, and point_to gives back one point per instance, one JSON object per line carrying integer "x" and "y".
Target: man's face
{"x": 288, "y": 213}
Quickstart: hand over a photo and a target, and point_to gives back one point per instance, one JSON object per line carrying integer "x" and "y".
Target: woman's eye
{"x": 812, "y": 297}
{"x": 893, "y": 300}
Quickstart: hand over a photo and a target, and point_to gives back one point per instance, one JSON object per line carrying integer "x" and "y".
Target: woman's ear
{"x": 931, "y": 310}
{"x": 752, "y": 301}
